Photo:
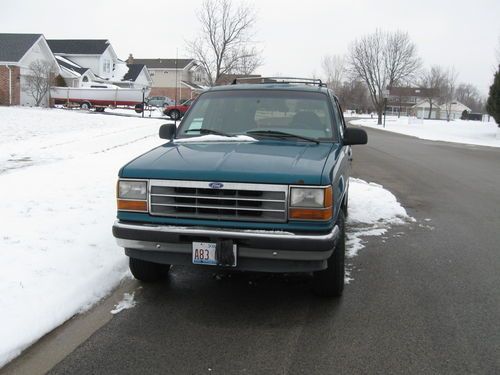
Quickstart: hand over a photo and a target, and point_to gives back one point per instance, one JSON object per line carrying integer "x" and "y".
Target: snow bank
{"x": 58, "y": 254}
{"x": 457, "y": 131}
{"x": 372, "y": 211}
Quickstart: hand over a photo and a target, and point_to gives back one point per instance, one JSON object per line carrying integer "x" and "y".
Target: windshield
{"x": 304, "y": 114}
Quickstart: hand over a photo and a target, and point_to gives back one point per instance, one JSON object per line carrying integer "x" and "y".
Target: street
{"x": 424, "y": 298}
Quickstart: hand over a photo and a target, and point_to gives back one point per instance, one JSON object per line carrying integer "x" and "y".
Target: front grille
{"x": 234, "y": 201}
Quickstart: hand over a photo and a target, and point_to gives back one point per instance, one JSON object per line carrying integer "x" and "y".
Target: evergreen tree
{"x": 493, "y": 103}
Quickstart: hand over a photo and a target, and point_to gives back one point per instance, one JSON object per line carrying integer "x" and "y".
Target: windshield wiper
{"x": 209, "y": 131}
{"x": 275, "y": 133}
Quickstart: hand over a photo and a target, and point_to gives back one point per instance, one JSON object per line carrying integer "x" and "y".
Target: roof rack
{"x": 305, "y": 81}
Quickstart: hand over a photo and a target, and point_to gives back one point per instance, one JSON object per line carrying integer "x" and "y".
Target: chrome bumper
{"x": 251, "y": 243}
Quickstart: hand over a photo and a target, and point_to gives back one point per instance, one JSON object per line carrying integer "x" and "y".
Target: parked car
{"x": 159, "y": 101}
{"x": 267, "y": 191}
{"x": 175, "y": 112}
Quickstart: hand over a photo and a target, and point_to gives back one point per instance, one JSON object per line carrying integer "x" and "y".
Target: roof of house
{"x": 133, "y": 72}
{"x": 164, "y": 63}
{"x": 193, "y": 86}
{"x": 78, "y": 46}
{"x": 14, "y": 46}
{"x": 70, "y": 65}
{"x": 413, "y": 91}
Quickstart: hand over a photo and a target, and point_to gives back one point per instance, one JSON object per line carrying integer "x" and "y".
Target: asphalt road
{"x": 424, "y": 300}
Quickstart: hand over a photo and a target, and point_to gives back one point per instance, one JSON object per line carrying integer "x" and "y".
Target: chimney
{"x": 130, "y": 59}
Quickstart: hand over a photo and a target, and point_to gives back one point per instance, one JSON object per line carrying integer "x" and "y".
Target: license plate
{"x": 206, "y": 253}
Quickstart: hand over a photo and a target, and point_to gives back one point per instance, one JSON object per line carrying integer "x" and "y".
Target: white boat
{"x": 99, "y": 95}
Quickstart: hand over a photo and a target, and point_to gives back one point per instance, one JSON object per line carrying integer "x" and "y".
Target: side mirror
{"x": 355, "y": 136}
{"x": 167, "y": 131}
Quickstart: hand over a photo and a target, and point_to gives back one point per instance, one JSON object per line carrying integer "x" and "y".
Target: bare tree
{"x": 468, "y": 95}
{"x": 434, "y": 81}
{"x": 39, "y": 79}
{"x": 224, "y": 44}
{"x": 449, "y": 94}
{"x": 249, "y": 61}
{"x": 334, "y": 68}
{"x": 353, "y": 95}
{"x": 383, "y": 60}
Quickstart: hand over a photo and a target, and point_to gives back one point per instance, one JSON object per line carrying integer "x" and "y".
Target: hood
{"x": 275, "y": 162}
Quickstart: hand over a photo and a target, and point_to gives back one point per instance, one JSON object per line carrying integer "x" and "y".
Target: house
{"x": 422, "y": 108}
{"x": 176, "y": 78}
{"x": 17, "y": 52}
{"x": 86, "y": 61}
{"x": 453, "y": 110}
{"x": 401, "y": 100}
{"x": 440, "y": 112}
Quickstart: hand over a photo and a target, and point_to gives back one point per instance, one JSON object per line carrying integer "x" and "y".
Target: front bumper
{"x": 267, "y": 251}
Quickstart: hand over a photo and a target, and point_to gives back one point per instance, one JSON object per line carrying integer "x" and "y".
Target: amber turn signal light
{"x": 125, "y": 205}
{"x": 328, "y": 197}
{"x": 311, "y": 214}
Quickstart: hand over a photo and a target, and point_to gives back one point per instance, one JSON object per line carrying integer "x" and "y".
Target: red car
{"x": 175, "y": 112}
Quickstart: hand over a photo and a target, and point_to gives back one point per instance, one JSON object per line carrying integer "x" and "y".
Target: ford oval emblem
{"x": 216, "y": 185}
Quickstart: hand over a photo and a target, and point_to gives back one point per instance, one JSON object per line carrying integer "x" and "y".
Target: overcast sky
{"x": 294, "y": 35}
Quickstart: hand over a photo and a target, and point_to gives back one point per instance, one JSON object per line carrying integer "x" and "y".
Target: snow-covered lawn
{"x": 58, "y": 173}
{"x": 457, "y": 131}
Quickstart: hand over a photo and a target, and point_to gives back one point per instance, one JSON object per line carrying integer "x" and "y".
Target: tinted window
{"x": 238, "y": 111}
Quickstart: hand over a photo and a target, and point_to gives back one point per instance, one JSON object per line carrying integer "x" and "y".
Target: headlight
{"x": 132, "y": 196}
{"x": 311, "y": 203}
{"x": 307, "y": 197}
{"x": 132, "y": 190}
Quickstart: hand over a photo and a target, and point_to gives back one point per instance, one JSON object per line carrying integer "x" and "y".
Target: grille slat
{"x": 235, "y": 201}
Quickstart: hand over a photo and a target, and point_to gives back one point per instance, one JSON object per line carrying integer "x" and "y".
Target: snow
{"x": 119, "y": 72}
{"x": 126, "y": 303}
{"x": 372, "y": 211}
{"x": 58, "y": 254}
{"x": 216, "y": 138}
{"x": 65, "y": 60}
{"x": 456, "y": 131}
{"x": 58, "y": 171}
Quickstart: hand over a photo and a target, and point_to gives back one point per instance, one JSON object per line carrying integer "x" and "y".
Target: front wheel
{"x": 139, "y": 108}
{"x": 148, "y": 272}
{"x": 175, "y": 114}
{"x": 85, "y": 105}
{"x": 330, "y": 282}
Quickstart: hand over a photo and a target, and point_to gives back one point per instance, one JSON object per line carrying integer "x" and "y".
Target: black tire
{"x": 330, "y": 282}
{"x": 139, "y": 108}
{"x": 345, "y": 205}
{"x": 175, "y": 114}
{"x": 85, "y": 105}
{"x": 148, "y": 272}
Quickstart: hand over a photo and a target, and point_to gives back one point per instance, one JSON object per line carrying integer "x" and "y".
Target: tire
{"x": 345, "y": 205}
{"x": 175, "y": 114}
{"x": 85, "y": 105}
{"x": 99, "y": 109}
{"x": 148, "y": 272}
{"x": 139, "y": 108}
{"x": 330, "y": 282}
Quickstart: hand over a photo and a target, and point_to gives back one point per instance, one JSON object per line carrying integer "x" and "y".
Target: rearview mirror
{"x": 167, "y": 131}
{"x": 355, "y": 136}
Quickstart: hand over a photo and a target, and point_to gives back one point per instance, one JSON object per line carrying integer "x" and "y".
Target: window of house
{"x": 85, "y": 79}
{"x": 106, "y": 66}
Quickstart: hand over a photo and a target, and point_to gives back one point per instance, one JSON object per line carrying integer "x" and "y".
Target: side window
{"x": 338, "y": 117}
